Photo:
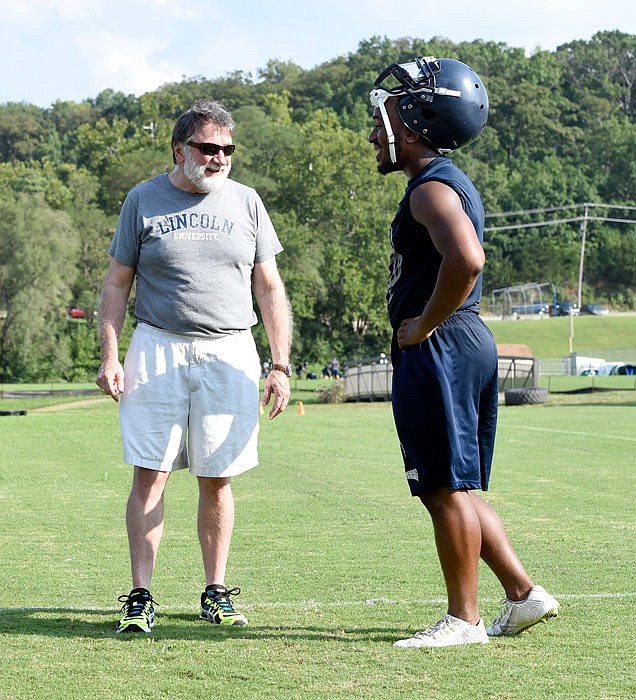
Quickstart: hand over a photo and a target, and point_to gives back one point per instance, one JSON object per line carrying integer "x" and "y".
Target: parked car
{"x": 566, "y": 308}
{"x": 611, "y": 369}
{"x": 595, "y": 309}
{"x": 532, "y": 307}
{"x": 76, "y": 313}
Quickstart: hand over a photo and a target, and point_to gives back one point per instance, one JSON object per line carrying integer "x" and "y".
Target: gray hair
{"x": 200, "y": 113}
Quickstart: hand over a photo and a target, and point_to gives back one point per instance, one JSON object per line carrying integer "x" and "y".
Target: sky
{"x": 71, "y": 50}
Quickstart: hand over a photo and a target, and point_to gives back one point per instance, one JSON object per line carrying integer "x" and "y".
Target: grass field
{"x": 549, "y": 338}
{"x": 334, "y": 558}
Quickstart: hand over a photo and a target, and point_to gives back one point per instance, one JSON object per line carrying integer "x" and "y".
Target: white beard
{"x": 204, "y": 183}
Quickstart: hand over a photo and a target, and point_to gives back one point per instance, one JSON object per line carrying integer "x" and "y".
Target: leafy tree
{"x": 69, "y": 116}
{"x": 530, "y": 120}
{"x": 95, "y": 234}
{"x": 332, "y": 187}
{"x": 605, "y": 66}
{"x": 561, "y": 131}
{"x": 300, "y": 267}
{"x": 613, "y": 166}
{"x": 26, "y": 133}
{"x": 113, "y": 104}
{"x": 84, "y": 347}
{"x": 158, "y": 111}
{"x": 36, "y": 177}
{"x": 611, "y": 255}
{"x": 283, "y": 73}
{"x": 122, "y": 174}
{"x": 98, "y": 145}
{"x": 266, "y": 137}
{"x": 37, "y": 268}
{"x": 234, "y": 90}
{"x": 499, "y": 270}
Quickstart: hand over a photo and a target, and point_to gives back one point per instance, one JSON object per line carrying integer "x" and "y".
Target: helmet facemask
{"x": 378, "y": 99}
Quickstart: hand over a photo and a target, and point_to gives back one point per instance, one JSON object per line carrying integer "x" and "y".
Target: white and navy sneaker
{"x": 449, "y": 631}
{"x": 520, "y": 615}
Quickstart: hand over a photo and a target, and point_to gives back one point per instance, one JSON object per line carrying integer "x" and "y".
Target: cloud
{"x": 133, "y": 64}
{"x": 75, "y": 49}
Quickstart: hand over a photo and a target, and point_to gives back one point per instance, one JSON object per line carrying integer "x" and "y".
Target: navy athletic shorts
{"x": 445, "y": 398}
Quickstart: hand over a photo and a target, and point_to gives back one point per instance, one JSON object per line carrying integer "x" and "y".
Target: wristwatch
{"x": 287, "y": 370}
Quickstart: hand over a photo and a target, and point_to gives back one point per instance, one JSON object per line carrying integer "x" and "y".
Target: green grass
{"x": 335, "y": 560}
{"x": 549, "y": 338}
{"x": 47, "y": 386}
{"x": 305, "y": 390}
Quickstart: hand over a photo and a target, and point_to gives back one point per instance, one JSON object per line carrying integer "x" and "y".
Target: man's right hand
{"x": 110, "y": 379}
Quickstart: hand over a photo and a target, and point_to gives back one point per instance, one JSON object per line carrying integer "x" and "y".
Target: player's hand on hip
{"x": 410, "y": 332}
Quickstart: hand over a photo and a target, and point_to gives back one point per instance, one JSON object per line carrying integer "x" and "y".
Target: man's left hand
{"x": 277, "y": 385}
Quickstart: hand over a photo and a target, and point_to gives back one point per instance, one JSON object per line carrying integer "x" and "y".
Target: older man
{"x": 201, "y": 247}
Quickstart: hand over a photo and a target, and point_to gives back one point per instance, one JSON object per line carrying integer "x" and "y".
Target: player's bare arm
{"x": 438, "y": 207}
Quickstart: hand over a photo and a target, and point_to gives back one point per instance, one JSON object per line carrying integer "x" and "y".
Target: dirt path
{"x": 70, "y": 404}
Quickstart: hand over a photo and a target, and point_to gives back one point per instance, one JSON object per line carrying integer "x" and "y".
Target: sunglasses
{"x": 212, "y": 149}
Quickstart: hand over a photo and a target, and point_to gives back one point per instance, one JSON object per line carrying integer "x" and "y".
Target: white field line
{"x": 573, "y": 432}
{"x": 318, "y": 604}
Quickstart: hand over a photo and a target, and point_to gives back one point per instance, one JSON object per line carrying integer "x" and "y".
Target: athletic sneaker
{"x": 216, "y": 606}
{"x": 449, "y": 631}
{"x": 519, "y": 615}
{"x": 138, "y": 611}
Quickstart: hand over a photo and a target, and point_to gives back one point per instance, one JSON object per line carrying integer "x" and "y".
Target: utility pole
{"x": 582, "y": 260}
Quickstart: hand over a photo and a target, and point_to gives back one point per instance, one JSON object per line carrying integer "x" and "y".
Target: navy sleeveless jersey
{"x": 415, "y": 261}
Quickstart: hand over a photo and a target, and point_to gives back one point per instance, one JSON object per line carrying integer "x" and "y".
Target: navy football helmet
{"x": 441, "y": 99}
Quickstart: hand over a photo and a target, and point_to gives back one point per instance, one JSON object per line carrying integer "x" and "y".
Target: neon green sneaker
{"x": 216, "y": 606}
{"x": 138, "y": 612}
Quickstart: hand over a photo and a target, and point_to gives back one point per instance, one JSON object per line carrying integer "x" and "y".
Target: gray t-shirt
{"x": 194, "y": 255}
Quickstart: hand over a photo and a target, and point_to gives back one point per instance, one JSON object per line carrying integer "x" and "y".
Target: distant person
{"x": 200, "y": 245}
{"x": 445, "y": 383}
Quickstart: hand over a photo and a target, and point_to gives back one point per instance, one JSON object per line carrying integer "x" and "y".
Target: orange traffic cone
{"x": 301, "y": 408}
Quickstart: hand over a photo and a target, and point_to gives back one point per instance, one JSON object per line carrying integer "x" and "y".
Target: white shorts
{"x": 190, "y": 402}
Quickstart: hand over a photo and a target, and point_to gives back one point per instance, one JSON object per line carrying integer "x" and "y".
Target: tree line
{"x": 561, "y": 132}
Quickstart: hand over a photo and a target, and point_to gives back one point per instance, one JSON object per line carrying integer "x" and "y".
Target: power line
{"x": 564, "y": 207}
{"x": 553, "y": 222}
{"x": 583, "y": 220}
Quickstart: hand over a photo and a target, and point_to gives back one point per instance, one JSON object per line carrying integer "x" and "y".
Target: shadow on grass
{"x": 99, "y": 624}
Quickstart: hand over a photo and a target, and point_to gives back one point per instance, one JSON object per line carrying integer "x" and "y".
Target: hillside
{"x": 547, "y": 167}
{"x": 549, "y": 338}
